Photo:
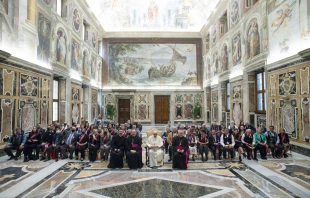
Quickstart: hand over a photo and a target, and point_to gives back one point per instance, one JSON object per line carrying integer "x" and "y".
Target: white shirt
{"x": 232, "y": 140}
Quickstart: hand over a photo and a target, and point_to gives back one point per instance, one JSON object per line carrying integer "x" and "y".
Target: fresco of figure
{"x": 253, "y": 40}
{"x": 61, "y": 47}
{"x": 224, "y": 58}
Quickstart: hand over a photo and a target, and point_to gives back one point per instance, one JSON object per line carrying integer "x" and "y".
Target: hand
{"x": 54, "y": 145}
{"x": 118, "y": 150}
{"x": 178, "y": 150}
{"x": 29, "y": 140}
{"x": 63, "y": 142}
{"x": 43, "y": 144}
{"x": 115, "y": 150}
{"x": 70, "y": 146}
{"x": 182, "y": 151}
{"x": 93, "y": 145}
{"x": 21, "y": 147}
{"x": 132, "y": 151}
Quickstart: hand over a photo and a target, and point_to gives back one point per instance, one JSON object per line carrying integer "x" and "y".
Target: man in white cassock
{"x": 155, "y": 143}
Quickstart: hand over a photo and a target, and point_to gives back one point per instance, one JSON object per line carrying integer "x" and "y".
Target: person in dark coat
{"x": 134, "y": 150}
{"x": 117, "y": 152}
{"x": 180, "y": 147}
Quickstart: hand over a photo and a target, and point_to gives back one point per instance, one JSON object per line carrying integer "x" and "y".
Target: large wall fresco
{"x": 288, "y": 100}
{"x": 185, "y": 104}
{"x": 44, "y": 34}
{"x": 152, "y": 64}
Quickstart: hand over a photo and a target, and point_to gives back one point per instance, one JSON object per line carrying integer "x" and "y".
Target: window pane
{"x": 55, "y": 111}
{"x": 59, "y": 7}
{"x": 260, "y": 101}
{"x": 228, "y": 89}
{"x": 265, "y": 101}
{"x": 228, "y": 103}
{"x": 264, "y": 81}
{"x": 259, "y": 81}
{"x": 55, "y": 92}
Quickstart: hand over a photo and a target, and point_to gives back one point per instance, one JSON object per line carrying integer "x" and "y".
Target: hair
{"x": 283, "y": 130}
{"x": 271, "y": 126}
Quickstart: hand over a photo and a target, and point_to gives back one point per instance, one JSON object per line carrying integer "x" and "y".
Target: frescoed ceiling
{"x": 152, "y": 15}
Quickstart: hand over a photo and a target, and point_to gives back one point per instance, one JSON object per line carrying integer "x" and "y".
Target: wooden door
{"x": 162, "y": 109}
{"x": 123, "y": 110}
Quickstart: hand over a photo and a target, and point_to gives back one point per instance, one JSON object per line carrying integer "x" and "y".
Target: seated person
{"x": 118, "y": 144}
{"x": 284, "y": 143}
{"x": 203, "y": 144}
{"x": 33, "y": 141}
{"x": 134, "y": 150}
{"x": 105, "y": 145}
{"x": 68, "y": 143}
{"x": 180, "y": 146}
{"x": 16, "y": 142}
{"x": 154, "y": 143}
{"x": 214, "y": 144}
{"x": 260, "y": 144}
{"x": 228, "y": 143}
{"x": 94, "y": 145}
{"x": 192, "y": 142}
{"x": 248, "y": 142}
{"x": 46, "y": 142}
{"x": 58, "y": 137}
{"x": 81, "y": 145}
{"x": 272, "y": 140}
{"x": 238, "y": 144}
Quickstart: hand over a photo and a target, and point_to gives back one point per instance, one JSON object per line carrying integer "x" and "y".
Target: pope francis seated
{"x": 155, "y": 143}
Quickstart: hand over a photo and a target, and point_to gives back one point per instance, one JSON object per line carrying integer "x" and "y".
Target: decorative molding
{"x": 4, "y": 55}
{"x": 305, "y": 53}
{"x": 286, "y": 62}
{"x": 235, "y": 79}
{"x": 144, "y": 34}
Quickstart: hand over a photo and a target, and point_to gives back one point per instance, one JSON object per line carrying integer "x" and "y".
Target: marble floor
{"x": 70, "y": 178}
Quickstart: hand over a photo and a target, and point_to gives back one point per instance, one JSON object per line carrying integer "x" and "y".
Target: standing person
{"x": 69, "y": 142}
{"x": 154, "y": 143}
{"x": 180, "y": 146}
{"x": 170, "y": 137}
{"x": 134, "y": 150}
{"x": 204, "y": 127}
{"x": 16, "y": 142}
{"x": 139, "y": 126}
{"x": 273, "y": 140}
{"x": 164, "y": 136}
{"x": 105, "y": 145}
{"x": 94, "y": 144}
{"x": 99, "y": 119}
{"x": 248, "y": 142}
{"x": 33, "y": 141}
{"x": 129, "y": 125}
{"x": 262, "y": 125}
{"x": 203, "y": 144}
{"x": 215, "y": 127}
{"x": 228, "y": 143}
{"x": 260, "y": 144}
{"x": 169, "y": 125}
{"x": 284, "y": 143}
{"x": 118, "y": 145}
{"x": 248, "y": 126}
{"x": 81, "y": 145}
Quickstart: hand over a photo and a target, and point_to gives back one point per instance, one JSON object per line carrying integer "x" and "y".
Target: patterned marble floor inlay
{"x": 157, "y": 188}
{"x": 70, "y": 178}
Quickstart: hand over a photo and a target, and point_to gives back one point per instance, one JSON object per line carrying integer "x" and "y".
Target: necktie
{"x": 69, "y": 139}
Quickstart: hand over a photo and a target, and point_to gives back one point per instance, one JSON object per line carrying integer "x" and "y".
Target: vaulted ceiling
{"x": 152, "y": 15}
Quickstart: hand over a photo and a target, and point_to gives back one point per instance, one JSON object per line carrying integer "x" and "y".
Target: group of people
{"x": 220, "y": 140}
{"x": 117, "y": 143}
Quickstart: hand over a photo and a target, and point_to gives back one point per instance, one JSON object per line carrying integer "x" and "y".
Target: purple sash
{"x": 180, "y": 147}
{"x": 134, "y": 145}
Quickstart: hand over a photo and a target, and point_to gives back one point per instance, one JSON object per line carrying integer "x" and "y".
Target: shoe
{"x": 26, "y": 159}
{"x": 169, "y": 160}
{"x": 285, "y": 155}
{"x": 249, "y": 158}
{"x": 82, "y": 159}
{"x": 64, "y": 158}
{"x": 273, "y": 156}
{"x": 240, "y": 160}
{"x": 15, "y": 158}
{"x": 264, "y": 158}
{"x": 244, "y": 155}
{"x": 206, "y": 159}
{"x": 193, "y": 159}
{"x": 12, "y": 157}
{"x": 255, "y": 159}
{"x": 76, "y": 158}
{"x": 71, "y": 157}
{"x": 220, "y": 158}
{"x": 214, "y": 158}
{"x": 35, "y": 158}
{"x": 47, "y": 159}
{"x": 42, "y": 158}
{"x": 56, "y": 160}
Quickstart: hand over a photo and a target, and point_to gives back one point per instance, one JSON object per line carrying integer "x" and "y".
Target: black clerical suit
{"x": 69, "y": 141}
{"x": 179, "y": 158}
{"x": 118, "y": 145}
{"x": 83, "y": 144}
{"x": 134, "y": 160}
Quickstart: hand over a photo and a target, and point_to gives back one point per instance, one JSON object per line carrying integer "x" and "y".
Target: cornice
{"x": 305, "y": 53}
{"x": 235, "y": 79}
{"x": 284, "y": 62}
{"x": 256, "y": 63}
{"x": 145, "y": 34}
